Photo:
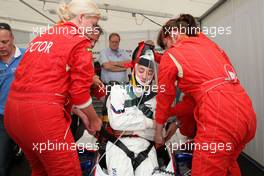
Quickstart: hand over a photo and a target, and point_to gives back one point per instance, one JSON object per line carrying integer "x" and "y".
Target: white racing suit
{"x": 132, "y": 119}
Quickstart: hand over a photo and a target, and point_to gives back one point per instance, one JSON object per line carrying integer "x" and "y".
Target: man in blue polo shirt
{"x": 10, "y": 57}
{"x": 112, "y": 60}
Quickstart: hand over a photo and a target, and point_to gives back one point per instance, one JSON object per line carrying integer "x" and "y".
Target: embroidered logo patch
{"x": 231, "y": 73}
{"x": 89, "y": 49}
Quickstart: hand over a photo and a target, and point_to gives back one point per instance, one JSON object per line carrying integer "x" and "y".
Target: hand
{"x": 82, "y": 116}
{"x": 91, "y": 126}
{"x": 97, "y": 82}
{"x": 158, "y": 135}
{"x": 159, "y": 141}
{"x": 171, "y": 131}
{"x": 95, "y": 126}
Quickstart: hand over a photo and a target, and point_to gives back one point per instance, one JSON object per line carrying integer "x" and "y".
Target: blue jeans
{"x": 6, "y": 145}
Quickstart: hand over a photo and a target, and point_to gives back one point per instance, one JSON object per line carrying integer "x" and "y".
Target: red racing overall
{"x": 223, "y": 111}
{"x": 57, "y": 66}
{"x": 184, "y": 113}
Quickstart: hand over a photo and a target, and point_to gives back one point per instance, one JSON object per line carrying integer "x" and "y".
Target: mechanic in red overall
{"x": 223, "y": 112}
{"x": 183, "y": 109}
{"x": 55, "y": 71}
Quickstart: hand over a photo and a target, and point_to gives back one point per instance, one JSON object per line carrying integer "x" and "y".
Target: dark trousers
{"x": 77, "y": 127}
{"x": 6, "y": 146}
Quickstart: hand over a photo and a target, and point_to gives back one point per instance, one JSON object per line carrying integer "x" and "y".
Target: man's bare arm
{"x": 115, "y": 66}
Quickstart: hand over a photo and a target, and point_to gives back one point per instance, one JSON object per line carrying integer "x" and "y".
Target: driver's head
{"x": 144, "y": 69}
{"x": 143, "y": 64}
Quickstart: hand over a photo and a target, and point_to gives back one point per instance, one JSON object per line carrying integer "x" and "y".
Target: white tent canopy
{"x": 22, "y": 17}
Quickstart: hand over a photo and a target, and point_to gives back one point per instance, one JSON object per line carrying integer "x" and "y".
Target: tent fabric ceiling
{"x": 23, "y": 18}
